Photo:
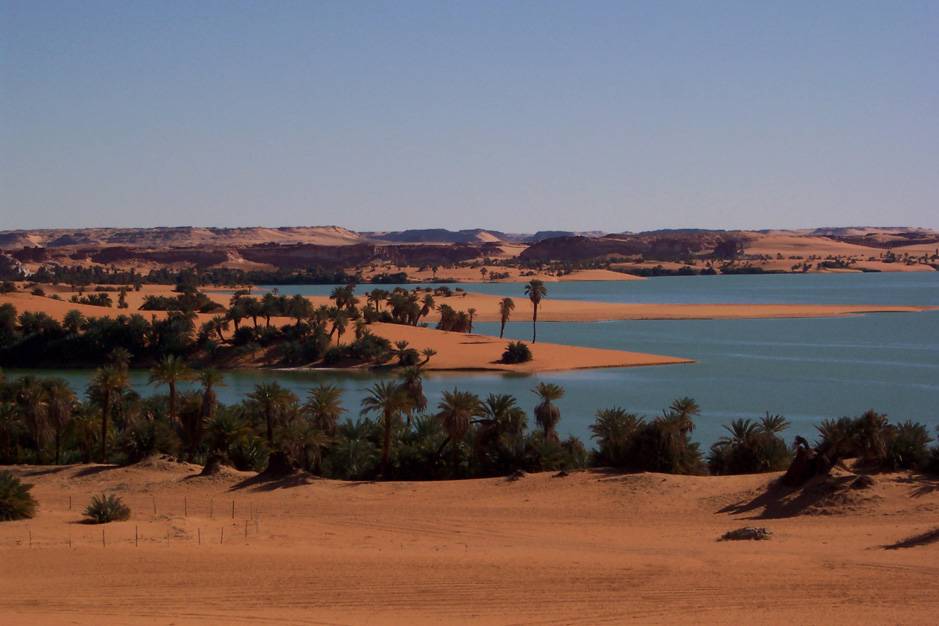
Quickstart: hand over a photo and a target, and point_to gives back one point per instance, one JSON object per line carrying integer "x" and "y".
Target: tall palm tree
{"x": 209, "y": 379}
{"x": 536, "y": 292}
{"x": 681, "y": 413}
{"x": 389, "y": 401}
{"x": 169, "y": 371}
{"x": 324, "y": 407}
{"x": 548, "y": 414}
{"x": 31, "y": 406}
{"x": 273, "y": 400}
{"x": 340, "y": 322}
{"x": 456, "y": 411}
{"x": 60, "y": 402}
{"x": 219, "y": 324}
{"x": 108, "y": 383}
{"x": 413, "y": 386}
{"x": 506, "y": 306}
{"x": 427, "y": 305}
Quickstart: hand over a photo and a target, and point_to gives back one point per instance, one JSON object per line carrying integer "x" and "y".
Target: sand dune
{"x": 588, "y": 548}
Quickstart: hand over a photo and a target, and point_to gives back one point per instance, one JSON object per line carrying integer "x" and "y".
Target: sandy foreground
{"x": 591, "y": 547}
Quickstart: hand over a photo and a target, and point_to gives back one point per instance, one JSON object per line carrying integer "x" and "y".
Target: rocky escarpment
{"x": 660, "y": 245}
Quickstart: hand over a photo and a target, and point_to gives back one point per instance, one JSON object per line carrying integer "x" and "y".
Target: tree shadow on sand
{"x": 922, "y": 539}
{"x": 265, "y": 482}
{"x": 923, "y": 485}
{"x": 94, "y": 470}
{"x": 823, "y": 494}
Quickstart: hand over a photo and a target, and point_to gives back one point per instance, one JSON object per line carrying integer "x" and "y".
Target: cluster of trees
{"x": 395, "y": 433}
{"x": 34, "y": 339}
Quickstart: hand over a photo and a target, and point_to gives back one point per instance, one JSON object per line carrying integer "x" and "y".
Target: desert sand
{"x": 462, "y": 351}
{"x": 592, "y": 547}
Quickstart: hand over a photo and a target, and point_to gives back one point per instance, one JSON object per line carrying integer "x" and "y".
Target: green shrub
{"x": 516, "y": 352}
{"x": 15, "y": 500}
{"x": 106, "y": 508}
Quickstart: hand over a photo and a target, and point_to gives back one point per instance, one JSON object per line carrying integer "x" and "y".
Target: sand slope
{"x": 589, "y": 548}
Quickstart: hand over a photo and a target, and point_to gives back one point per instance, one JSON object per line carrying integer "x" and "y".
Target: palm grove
{"x": 394, "y": 433}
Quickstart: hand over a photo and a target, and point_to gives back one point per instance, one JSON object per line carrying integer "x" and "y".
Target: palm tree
{"x": 456, "y": 412}
{"x": 324, "y": 406}
{"x": 500, "y": 414}
{"x": 773, "y": 423}
{"x": 273, "y": 400}
{"x": 427, "y": 353}
{"x": 681, "y": 412}
{"x": 400, "y": 351}
{"x": 388, "y": 400}
{"x": 536, "y": 292}
{"x": 340, "y": 322}
{"x": 73, "y": 322}
{"x": 613, "y": 429}
{"x": 547, "y": 414}
{"x": 471, "y": 312}
{"x": 60, "y": 401}
{"x": 120, "y": 357}
{"x": 741, "y": 432}
{"x": 209, "y": 378}
{"x": 30, "y": 397}
{"x": 109, "y": 381}
{"x": 413, "y": 386}
{"x": 219, "y": 323}
{"x": 169, "y": 371}
{"x": 427, "y": 305}
{"x": 506, "y": 306}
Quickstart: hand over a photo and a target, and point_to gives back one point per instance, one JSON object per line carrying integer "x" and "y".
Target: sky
{"x": 518, "y": 116}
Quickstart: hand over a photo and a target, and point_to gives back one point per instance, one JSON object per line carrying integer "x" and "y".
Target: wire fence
{"x": 154, "y": 520}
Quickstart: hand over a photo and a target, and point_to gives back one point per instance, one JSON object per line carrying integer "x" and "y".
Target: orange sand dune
{"x": 587, "y": 548}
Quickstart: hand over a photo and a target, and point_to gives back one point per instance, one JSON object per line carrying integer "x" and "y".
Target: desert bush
{"x": 15, "y": 500}
{"x": 516, "y": 352}
{"x": 106, "y": 508}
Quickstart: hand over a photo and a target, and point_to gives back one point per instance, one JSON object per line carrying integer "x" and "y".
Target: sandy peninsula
{"x": 455, "y": 351}
{"x": 591, "y": 547}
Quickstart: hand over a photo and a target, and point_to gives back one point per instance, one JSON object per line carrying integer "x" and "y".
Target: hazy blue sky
{"x": 511, "y": 115}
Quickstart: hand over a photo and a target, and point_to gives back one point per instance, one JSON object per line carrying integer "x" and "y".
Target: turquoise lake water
{"x": 920, "y": 288}
{"x": 804, "y": 369}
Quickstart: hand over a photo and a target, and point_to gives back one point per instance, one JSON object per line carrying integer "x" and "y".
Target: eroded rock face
{"x": 747, "y": 533}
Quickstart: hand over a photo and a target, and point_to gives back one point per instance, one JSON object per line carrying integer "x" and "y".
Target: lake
{"x": 804, "y": 369}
